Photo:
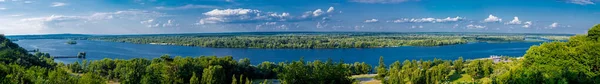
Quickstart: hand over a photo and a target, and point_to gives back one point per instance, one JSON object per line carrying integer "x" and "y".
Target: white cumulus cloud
{"x": 331, "y": 9}
{"x": 514, "y": 21}
{"x": 492, "y": 18}
{"x": 428, "y": 20}
{"x": 58, "y": 4}
{"x": 553, "y": 25}
{"x": 527, "y": 24}
{"x": 318, "y": 12}
{"x": 241, "y": 15}
{"x": 231, "y": 12}
{"x": 471, "y": 26}
{"x": 420, "y": 26}
{"x": 371, "y": 21}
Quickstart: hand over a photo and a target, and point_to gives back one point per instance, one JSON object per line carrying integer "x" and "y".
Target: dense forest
{"x": 573, "y": 61}
{"x": 320, "y": 40}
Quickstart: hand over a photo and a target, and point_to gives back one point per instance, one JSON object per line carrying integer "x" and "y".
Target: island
{"x": 71, "y": 42}
{"x": 315, "y": 40}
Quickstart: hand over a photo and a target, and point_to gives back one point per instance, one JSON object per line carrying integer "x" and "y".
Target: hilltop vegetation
{"x": 575, "y": 61}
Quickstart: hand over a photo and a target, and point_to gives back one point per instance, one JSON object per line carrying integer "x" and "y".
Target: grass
{"x": 371, "y": 82}
{"x": 457, "y": 79}
{"x": 461, "y": 78}
{"x": 363, "y": 76}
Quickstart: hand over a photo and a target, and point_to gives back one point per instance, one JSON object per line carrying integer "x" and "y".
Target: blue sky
{"x": 209, "y": 16}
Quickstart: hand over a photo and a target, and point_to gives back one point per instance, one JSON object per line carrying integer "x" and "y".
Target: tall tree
{"x": 194, "y": 79}
{"x": 594, "y": 32}
{"x": 381, "y": 69}
{"x": 458, "y": 65}
{"x": 213, "y": 75}
{"x": 91, "y": 78}
{"x": 234, "y": 80}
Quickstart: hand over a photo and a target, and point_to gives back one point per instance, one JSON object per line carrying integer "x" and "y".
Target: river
{"x": 97, "y": 50}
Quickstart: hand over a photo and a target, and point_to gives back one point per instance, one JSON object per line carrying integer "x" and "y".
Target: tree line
{"x": 312, "y": 40}
{"x": 574, "y": 61}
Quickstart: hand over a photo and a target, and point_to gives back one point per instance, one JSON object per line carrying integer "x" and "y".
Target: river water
{"x": 97, "y": 50}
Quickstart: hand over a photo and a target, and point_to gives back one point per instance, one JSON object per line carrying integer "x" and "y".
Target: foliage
{"x": 459, "y": 65}
{"x": 313, "y": 40}
{"x": 575, "y": 61}
{"x": 317, "y": 72}
{"x": 381, "y": 69}
{"x": 213, "y": 75}
{"x": 594, "y": 32}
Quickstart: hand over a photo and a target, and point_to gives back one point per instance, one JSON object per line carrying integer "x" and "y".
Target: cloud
{"x": 16, "y": 15}
{"x": 514, "y": 21}
{"x": 3, "y": 8}
{"x": 420, "y": 26}
{"x": 270, "y": 23}
{"x": 14, "y": 26}
{"x": 1, "y": 0}
{"x": 152, "y": 23}
{"x": 527, "y": 24}
{"x": 553, "y": 25}
{"x": 581, "y": 2}
{"x": 371, "y": 21}
{"x": 331, "y": 9}
{"x": 241, "y": 15}
{"x": 471, "y": 26}
{"x": 318, "y": 12}
{"x": 231, "y": 12}
{"x": 381, "y": 1}
{"x": 57, "y": 20}
{"x": 189, "y": 6}
{"x": 210, "y": 20}
{"x": 58, "y": 4}
{"x": 492, "y": 18}
{"x": 428, "y": 20}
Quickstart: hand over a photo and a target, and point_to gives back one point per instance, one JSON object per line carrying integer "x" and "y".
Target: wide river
{"x": 97, "y": 50}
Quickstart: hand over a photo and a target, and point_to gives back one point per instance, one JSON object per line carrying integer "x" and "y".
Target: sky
{"x": 213, "y": 16}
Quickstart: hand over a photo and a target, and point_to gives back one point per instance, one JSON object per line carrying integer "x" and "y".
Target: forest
{"x": 572, "y": 61}
{"x": 320, "y": 40}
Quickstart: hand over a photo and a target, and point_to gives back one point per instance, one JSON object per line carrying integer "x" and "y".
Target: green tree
{"x": 458, "y": 65}
{"x": 91, "y": 78}
{"x": 213, "y": 75}
{"x": 60, "y": 76}
{"x": 594, "y": 32}
{"x": 234, "y": 80}
{"x": 131, "y": 71}
{"x": 75, "y": 67}
{"x": 194, "y": 79}
{"x": 152, "y": 75}
{"x": 381, "y": 69}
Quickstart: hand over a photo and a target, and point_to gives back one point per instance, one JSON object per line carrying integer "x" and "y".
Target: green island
{"x": 573, "y": 61}
{"x": 323, "y": 39}
{"x": 71, "y": 42}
